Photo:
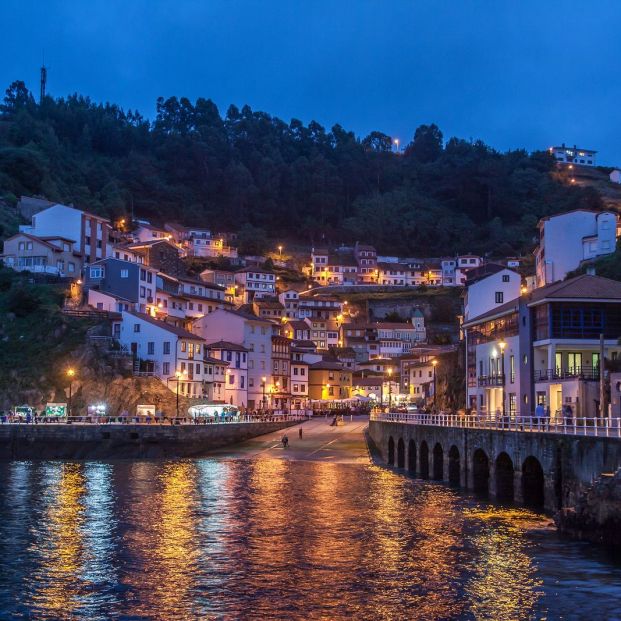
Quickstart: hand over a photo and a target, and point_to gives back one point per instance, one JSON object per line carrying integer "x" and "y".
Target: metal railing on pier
{"x": 149, "y": 420}
{"x": 575, "y": 426}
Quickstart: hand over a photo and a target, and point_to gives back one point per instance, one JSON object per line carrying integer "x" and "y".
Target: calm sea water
{"x": 271, "y": 539}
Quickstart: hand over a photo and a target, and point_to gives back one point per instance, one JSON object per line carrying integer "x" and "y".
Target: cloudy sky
{"x": 513, "y": 73}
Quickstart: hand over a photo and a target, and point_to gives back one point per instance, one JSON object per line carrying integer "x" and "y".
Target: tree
{"x": 427, "y": 144}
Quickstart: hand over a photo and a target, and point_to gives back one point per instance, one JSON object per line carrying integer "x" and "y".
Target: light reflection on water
{"x": 280, "y": 540}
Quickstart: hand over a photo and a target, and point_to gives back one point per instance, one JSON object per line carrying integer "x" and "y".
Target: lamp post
{"x": 434, "y": 364}
{"x": 178, "y": 376}
{"x": 389, "y": 371}
{"x": 280, "y": 252}
{"x": 501, "y": 345}
{"x": 263, "y": 380}
{"x": 70, "y": 374}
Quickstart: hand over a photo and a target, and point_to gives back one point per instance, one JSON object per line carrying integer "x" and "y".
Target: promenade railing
{"x": 150, "y": 420}
{"x": 575, "y": 426}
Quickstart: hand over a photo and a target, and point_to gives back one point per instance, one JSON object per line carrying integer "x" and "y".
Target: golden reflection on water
{"x": 270, "y": 538}
{"x": 503, "y": 583}
{"x": 57, "y": 579}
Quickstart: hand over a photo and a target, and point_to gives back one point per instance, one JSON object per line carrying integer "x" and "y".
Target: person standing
{"x": 300, "y": 433}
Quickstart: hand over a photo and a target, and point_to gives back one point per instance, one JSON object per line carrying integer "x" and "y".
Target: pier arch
{"x": 480, "y": 472}
{"x": 504, "y": 477}
{"x": 438, "y": 462}
{"x": 532, "y": 483}
{"x": 400, "y": 453}
{"x": 454, "y": 468}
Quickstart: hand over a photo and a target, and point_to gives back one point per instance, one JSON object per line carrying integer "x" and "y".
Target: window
{"x": 22, "y": 246}
{"x": 166, "y": 349}
{"x": 97, "y": 272}
{"x": 512, "y": 368}
{"x": 242, "y": 382}
{"x": 136, "y": 327}
{"x": 184, "y": 345}
{"x": 166, "y": 368}
{"x": 151, "y": 348}
{"x": 124, "y": 273}
{"x": 231, "y": 379}
{"x": 505, "y": 278}
{"x": 499, "y": 297}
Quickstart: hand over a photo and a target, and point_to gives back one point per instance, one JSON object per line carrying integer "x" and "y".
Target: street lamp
{"x": 389, "y": 371}
{"x": 434, "y": 364}
{"x": 501, "y": 345}
{"x": 327, "y": 392}
{"x": 280, "y": 251}
{"x": 178, "y": 375}
{"x": 263, "y": 380}
{"x": 70, "y": 374}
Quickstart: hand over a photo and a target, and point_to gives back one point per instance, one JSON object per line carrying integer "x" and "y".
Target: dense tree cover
{"x": 303, "y": 182}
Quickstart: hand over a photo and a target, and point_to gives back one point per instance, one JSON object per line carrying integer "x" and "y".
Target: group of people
{"x": 285, "y": 438}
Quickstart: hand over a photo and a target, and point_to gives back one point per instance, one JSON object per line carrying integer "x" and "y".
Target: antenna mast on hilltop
{"x": 43, "y": 81}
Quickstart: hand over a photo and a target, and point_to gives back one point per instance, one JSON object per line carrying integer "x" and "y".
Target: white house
{"x": 253, "y": 333}
{"x": 568, "y": 239}
{"x": 255, "y": 282}
{"x": 290, "y": 299}
{"x": 90, "y": 233}
{"x": 489, "y": 288}
{"x": 573, "y": 155}
{"x": 236, "y": 358}
{"x": 170, "y": 353}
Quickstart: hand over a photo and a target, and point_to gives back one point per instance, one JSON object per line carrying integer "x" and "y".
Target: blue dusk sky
{"x": 525, "y": 73}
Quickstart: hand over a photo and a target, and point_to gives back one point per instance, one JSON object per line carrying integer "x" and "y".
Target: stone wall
{"x": 569, "y": 464}
{"x": 57, "y": 441}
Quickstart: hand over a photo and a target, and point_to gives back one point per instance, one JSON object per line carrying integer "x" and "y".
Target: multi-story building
{"x": 49, "y": 255}
{"x": 290, "y": 299}
{"x": 235, "y": 357}
{"x": 268, "y": 308}
{"x": 145, "y": 232}
{"x": 568, "y": 239}
{"x": 254, "y": 333}
{"x": 172, "y": 354}
{"x": 116, "y": 285}
{"x": 297, "y": 330}
{"x": 544, "y": 347}
{"x": 280, "y": 389}
{"x": 489, "y": 287}
{"x": 254, "y": 282}
{"x": 329, "y": 381}
{"x": 160, "y": 254}
{"x": 299, "y": 378}
{"x": 90, "y": 233}
{"x": 573, "y": 155}
{"x": 366, "y": 258}
{"x": 392, "y": 339}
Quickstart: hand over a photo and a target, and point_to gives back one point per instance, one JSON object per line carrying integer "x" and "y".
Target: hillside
{"x": 268, "y": 179}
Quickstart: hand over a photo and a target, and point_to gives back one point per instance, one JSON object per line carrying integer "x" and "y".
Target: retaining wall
{"x": 77, "y": 441}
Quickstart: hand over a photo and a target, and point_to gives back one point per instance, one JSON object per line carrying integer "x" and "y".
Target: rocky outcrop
{"x": 596, "y": 516}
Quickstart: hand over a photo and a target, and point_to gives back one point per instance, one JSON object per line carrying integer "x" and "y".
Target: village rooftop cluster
{"x": 243, "y": 336}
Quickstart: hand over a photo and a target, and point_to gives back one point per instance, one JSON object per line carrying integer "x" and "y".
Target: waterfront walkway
{"x": 320, "y": 442}
{"x": 599, "y": 427}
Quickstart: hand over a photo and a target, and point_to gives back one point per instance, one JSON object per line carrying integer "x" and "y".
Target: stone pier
{"x": 544, "y": 470}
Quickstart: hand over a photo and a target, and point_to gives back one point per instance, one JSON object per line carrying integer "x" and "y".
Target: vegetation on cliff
{"x": 251, "y": 171}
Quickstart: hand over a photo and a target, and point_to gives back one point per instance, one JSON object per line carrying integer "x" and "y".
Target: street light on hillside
{"x": 389, "y": 371}
{"x": 70, "y": 375}
{"x": 280, "y": 251}
{"x": 263, "y": 381}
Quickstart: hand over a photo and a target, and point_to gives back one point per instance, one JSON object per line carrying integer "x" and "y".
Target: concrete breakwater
{"x": 83, "y": 441}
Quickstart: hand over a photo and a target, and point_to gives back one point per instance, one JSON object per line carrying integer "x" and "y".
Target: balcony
{"x": 552, "y": 375}
{"x": 492, "y": 380}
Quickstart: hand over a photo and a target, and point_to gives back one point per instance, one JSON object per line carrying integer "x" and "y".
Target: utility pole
{"x": 603, "y": 413}
{"x": 43, "y": 82}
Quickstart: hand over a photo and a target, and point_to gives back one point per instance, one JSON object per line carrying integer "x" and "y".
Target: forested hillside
{"x": 294, "y": 181}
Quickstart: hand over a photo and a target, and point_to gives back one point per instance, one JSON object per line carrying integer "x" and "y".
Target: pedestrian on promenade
{"x": 300, "y": 432}
{"x": 285, "y": 441}
{"x": 539, "y": 414}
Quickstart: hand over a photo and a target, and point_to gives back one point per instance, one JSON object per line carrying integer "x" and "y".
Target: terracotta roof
{"x": 39, "y": 240}
{"x": 582, "y": 287}
{"x": 214, "y": 360}
{"x": 165, "y": 326}
{"x": 326, "y": 365}
{"x": 245, "y": 315}
{"x": 389, "y": 325}
{"x": 226, "y": 345}
{"x": 298, "y": 324}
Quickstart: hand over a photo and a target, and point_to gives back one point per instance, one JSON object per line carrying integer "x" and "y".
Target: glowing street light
{"x": 389, "y": 371}
{"x": 280, "y": 251}
{"x": 263, "y": 382}
{"x": 434, "y": 364}
{"x": 70, "y": 375}
{"x": 179, "y": 375}
{"x": 501, "y": 345}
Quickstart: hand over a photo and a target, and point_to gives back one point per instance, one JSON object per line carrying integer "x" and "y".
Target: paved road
{"x": 320, "y": 442}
